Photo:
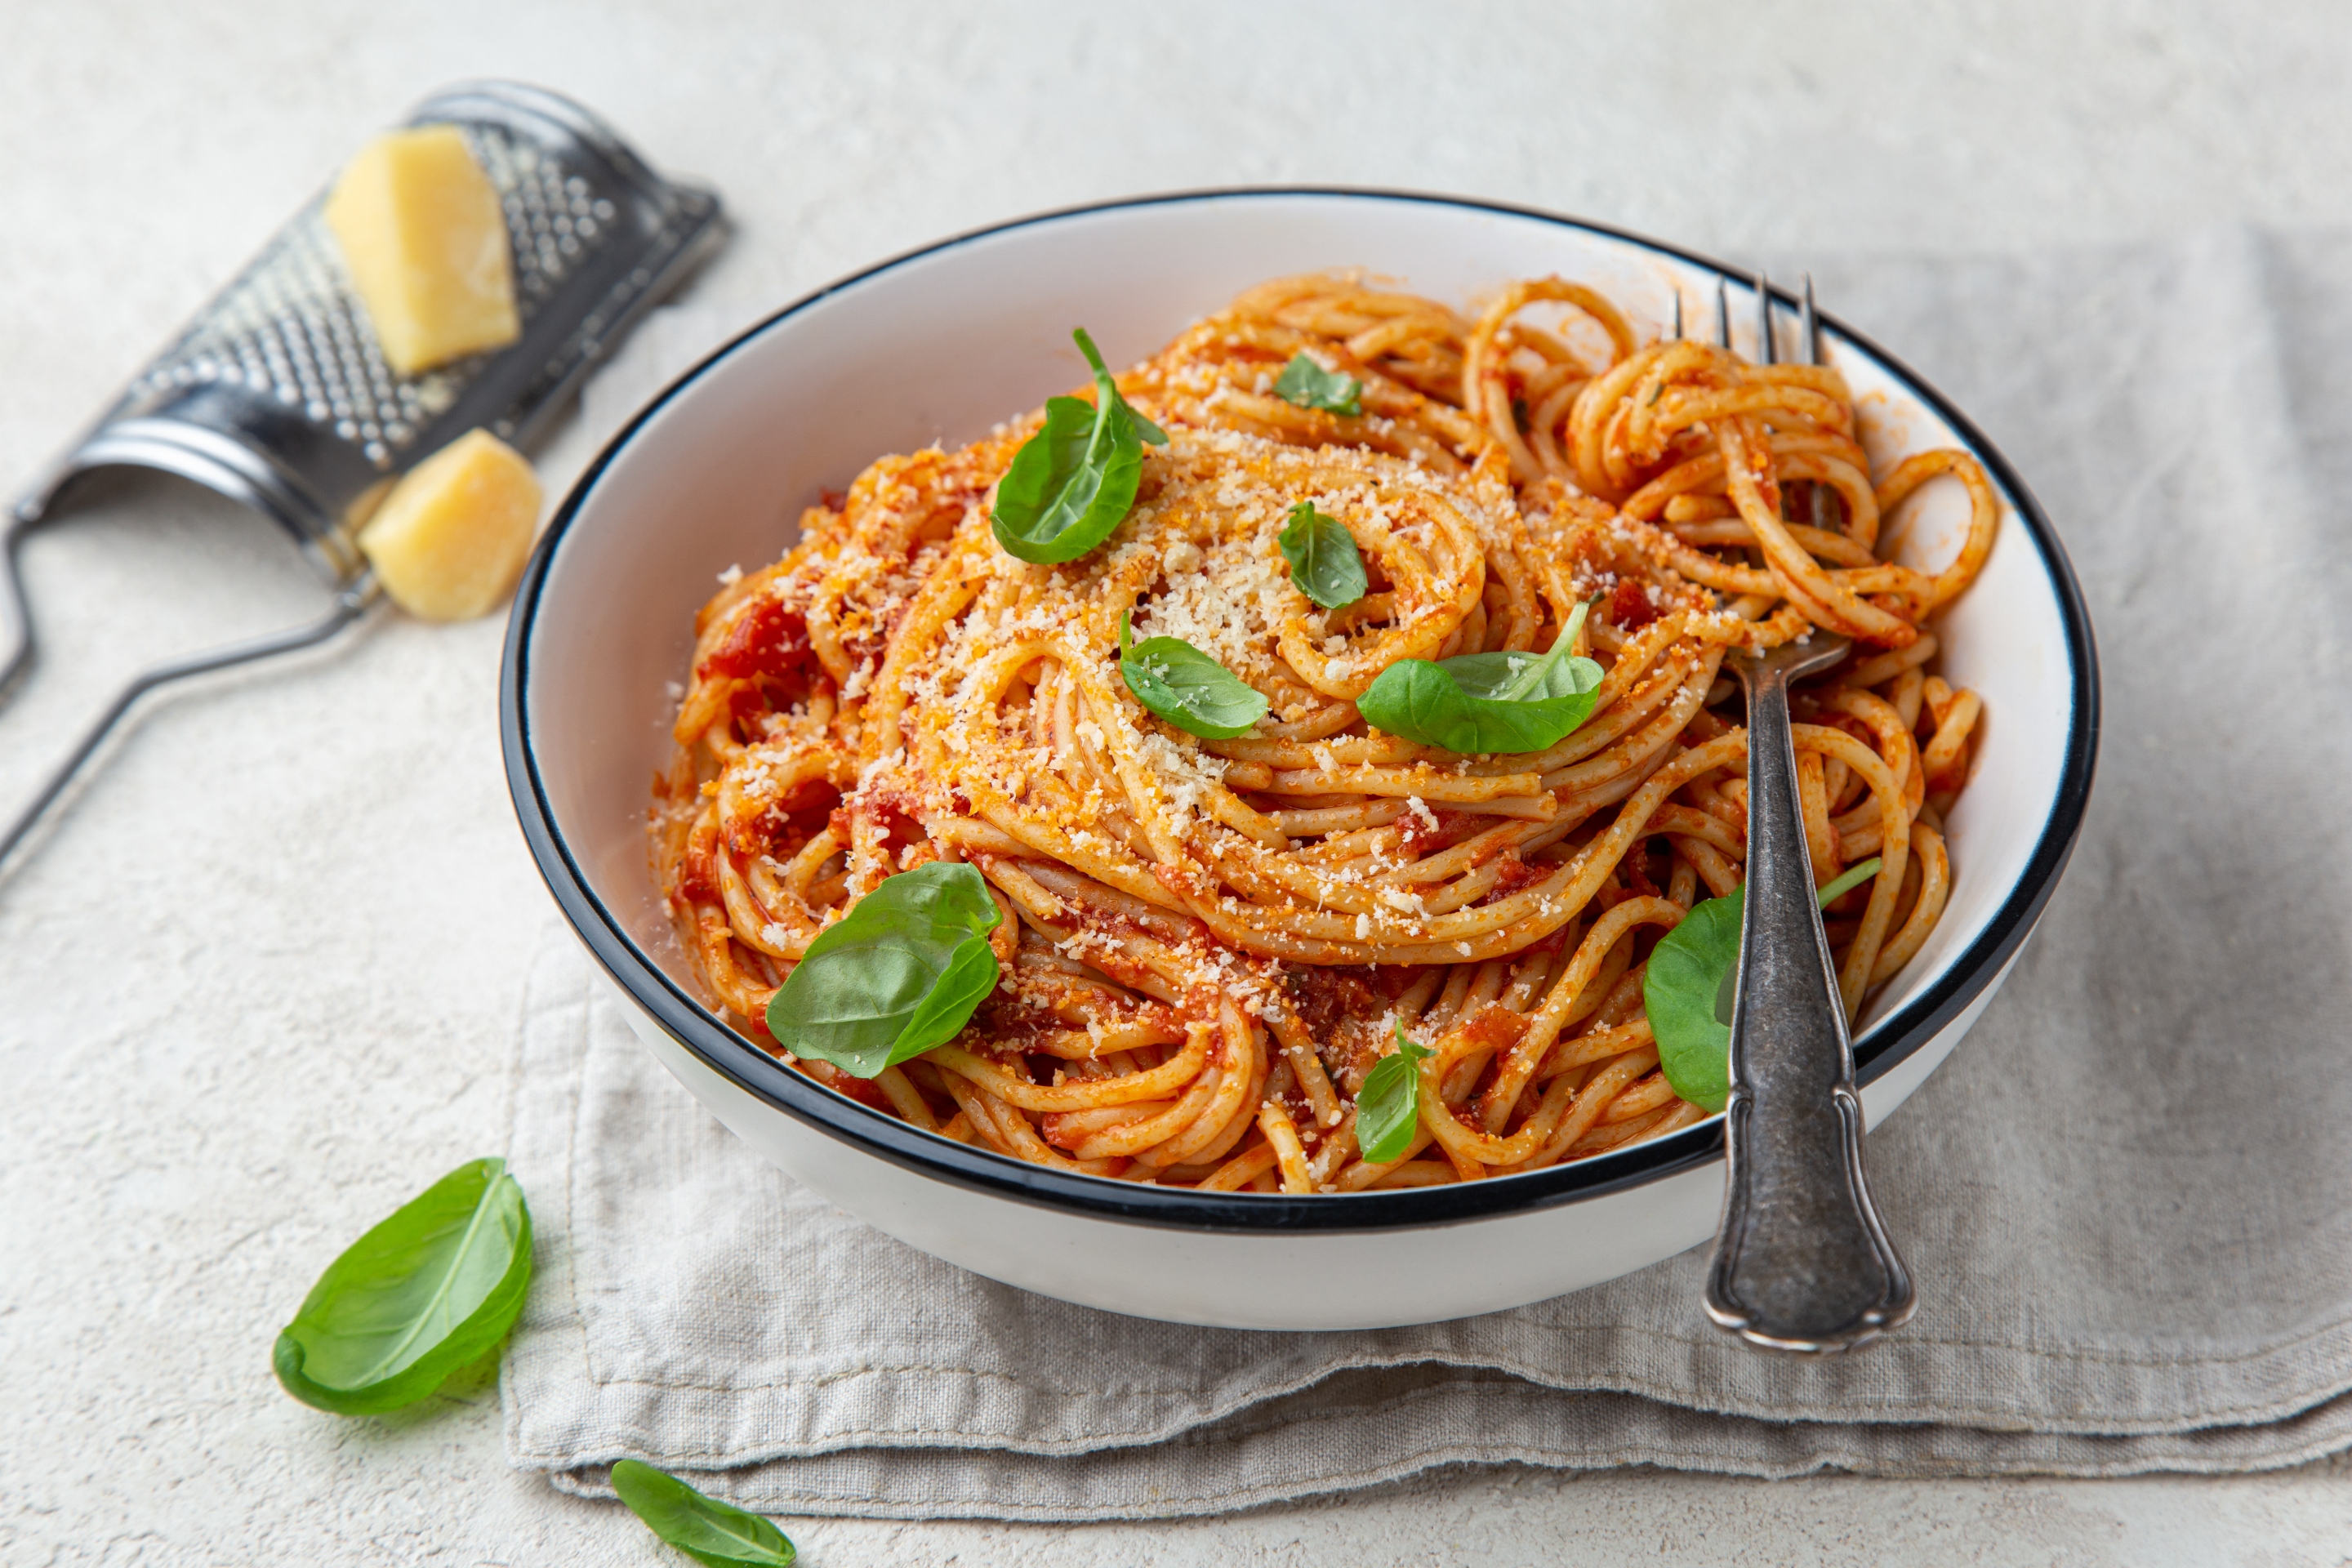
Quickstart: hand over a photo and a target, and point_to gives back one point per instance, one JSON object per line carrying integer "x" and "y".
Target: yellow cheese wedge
{"x": 449, "y": 540}
{"x": 421, "y": 234}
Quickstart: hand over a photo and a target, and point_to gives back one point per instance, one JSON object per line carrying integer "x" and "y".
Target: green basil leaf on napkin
{"x": 703, "y": 1527}
{"x": 427, "y": 1292}
{"x": 1487, "y": 702}
{"x": 899, "y": 974}
{"x": 1388, "y": 1106}
{"x": 1689, "y": 987}
{"x": 1306, "y": 384}
{"x": 1325, "y": 565}
{"x": 1187, "y": 687}
{"x": 1074, "y": 480}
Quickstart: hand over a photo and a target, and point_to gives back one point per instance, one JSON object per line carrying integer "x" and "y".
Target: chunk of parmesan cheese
{"x": 449, "y": 540}
{"x": 426, "y": 243}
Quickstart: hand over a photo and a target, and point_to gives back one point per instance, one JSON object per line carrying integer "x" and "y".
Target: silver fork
{"x": 1801, "y": 1261}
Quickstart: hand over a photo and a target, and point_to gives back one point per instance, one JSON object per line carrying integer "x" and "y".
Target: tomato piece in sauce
{"x": 766, "y": 640}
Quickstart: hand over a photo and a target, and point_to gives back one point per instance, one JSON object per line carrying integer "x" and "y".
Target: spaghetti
{"x": 1206, "y": 944}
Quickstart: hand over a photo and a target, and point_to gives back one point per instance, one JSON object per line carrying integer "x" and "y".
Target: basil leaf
{"x": 1074, "y": 481}
{"x": 1325, "y": 565}
{"x": 1309, "y": 385}
{"x": 703, "y": 1527}
{"x": 1688, "y": 989}
{"x": 899, "y": 974}
{"x": 1684, "y": 991}
{"x": 1187, "y": 687}
{"x": 421, "y": 1295}
{"x": 1388, "y": 1106}
{"x": 1487, "y": 702}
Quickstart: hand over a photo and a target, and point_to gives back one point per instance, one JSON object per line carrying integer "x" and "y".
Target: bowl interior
{"x": 938, "y": 346}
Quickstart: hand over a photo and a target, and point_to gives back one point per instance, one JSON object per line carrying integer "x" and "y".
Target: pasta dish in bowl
{"x": 1207, "y": 943}
{"x": 1253, "y": 790}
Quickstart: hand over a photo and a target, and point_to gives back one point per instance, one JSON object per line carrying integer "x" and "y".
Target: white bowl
{"x": 942, "y": 343}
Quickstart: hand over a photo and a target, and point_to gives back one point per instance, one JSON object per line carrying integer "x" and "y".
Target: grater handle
{"x": 349, "y": 605}
{"x": 15, "y": 615}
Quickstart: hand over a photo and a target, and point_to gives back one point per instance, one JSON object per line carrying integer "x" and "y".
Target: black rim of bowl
{"x": 687, "y": 1020}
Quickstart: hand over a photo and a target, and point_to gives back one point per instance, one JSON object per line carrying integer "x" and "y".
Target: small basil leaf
{"x": 1689, "y": 987}
{"x": 1074, "y": 481}
{"x": 1688, "y": 969}
{"x": 703, "y": 1527}
{"x": 1187, "y": 687}
{"x": 1309, "y": 385}
{"x": 1487, "y": 702}
{"x": 899, "y": 974}
{"x": 423, "y": 1294}
{"x": 1388, "y": 1106}
{"x": 1062, "y": 483}
{"x": 1325, "y": 565}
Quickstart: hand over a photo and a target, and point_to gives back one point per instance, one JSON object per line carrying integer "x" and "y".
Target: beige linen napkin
{"x": 2124, "y": 1197}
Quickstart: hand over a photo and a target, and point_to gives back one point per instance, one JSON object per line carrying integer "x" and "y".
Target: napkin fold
{"x": 2122, "y": 1197}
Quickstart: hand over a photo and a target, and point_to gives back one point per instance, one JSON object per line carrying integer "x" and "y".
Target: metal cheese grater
{"x": 276, "y": 395}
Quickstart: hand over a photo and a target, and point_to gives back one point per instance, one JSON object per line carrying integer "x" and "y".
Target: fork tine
{"x": 1809, "y": 347}
{"x": 1722, "y": 314}
{"x": 1767, "y": 351}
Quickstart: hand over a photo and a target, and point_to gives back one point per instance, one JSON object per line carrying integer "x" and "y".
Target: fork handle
{"x": 1801, "y": 1261}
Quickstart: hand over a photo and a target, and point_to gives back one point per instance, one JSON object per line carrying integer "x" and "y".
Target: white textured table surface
{"x": 197, "y": 1114}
